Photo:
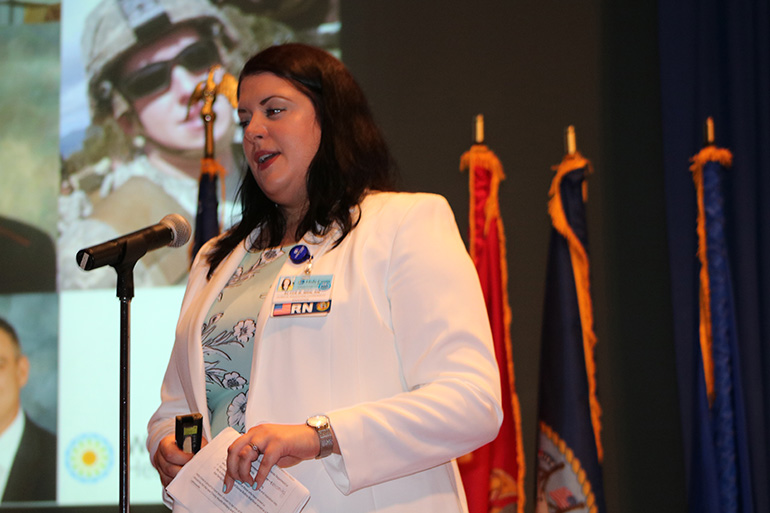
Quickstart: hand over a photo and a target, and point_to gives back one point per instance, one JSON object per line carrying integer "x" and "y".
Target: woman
{"x": 396, "y": 358}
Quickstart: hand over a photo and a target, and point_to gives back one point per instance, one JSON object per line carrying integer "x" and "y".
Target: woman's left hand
{"x": 282, "y": 445}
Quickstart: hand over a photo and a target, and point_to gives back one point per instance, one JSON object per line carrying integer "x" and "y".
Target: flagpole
{"x": 709, "y": 129}
{"x": 571, "y": 143}
{"x": 207, "y": 224}
{"x": 720, "y": 469}
{"x": 569, "y": 449}
{"x": 478, "y": 134}
{"x": 493, "y": 475}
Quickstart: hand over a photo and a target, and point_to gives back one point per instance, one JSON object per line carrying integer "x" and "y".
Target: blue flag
{"x": 569, "y": 450}
{"x": 719, "y": 477}
{"x": 207, "y": 217}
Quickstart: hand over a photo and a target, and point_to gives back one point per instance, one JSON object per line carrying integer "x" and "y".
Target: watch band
{"x": 323, "y": 429}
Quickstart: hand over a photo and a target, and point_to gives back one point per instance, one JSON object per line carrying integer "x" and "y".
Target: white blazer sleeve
{"x": 451, "y": 402}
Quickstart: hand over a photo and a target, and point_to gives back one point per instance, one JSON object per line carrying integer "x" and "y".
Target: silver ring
{"x": 254, "y": 446}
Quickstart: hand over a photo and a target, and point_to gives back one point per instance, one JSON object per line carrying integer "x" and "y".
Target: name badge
{"x": 303, "y": 294}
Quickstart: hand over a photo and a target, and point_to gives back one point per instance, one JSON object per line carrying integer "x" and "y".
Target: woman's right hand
{"x": 169, "y": 458}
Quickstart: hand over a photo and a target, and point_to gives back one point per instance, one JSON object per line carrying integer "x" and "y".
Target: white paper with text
{"x": 198, "y": 486}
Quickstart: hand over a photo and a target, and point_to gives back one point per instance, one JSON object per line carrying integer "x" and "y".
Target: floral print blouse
{"x": 228, "y": 337}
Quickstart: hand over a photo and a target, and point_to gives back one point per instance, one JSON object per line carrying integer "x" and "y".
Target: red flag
{"x": 493, "y": 475}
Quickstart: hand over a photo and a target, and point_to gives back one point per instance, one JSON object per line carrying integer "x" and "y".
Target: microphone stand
{"x": 133, "y": 250}
{"x": 124, "y": 252}
{"x": 125, "y": 292}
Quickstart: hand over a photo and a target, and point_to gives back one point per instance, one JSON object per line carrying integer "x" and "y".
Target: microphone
{"x": 173, "y": 230}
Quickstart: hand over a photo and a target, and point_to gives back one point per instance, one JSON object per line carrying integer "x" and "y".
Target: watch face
{"x": 318, "y": 421}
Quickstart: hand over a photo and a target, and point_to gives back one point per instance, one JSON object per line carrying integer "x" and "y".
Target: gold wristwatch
{"x": 323, "y": 428}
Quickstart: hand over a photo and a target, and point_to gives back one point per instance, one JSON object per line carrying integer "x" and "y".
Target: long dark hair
{"x": 352, "y": 157}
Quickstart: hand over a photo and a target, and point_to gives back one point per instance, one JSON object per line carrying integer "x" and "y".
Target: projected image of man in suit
{"x": 27, "y": 451}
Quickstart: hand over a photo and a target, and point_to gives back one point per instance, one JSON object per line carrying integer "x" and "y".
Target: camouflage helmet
{"x": 115, "y": 27}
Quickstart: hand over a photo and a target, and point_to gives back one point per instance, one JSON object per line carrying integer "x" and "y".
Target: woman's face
{"x": 162, "y": 111}
{"x": 281, "y": 136}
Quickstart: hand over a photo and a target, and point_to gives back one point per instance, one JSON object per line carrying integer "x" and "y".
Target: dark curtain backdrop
{"x": 715, "y": 61}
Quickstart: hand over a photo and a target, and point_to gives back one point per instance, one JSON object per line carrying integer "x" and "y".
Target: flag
{"x": 719, "y": 475}
{"x": 569, "y": 449}
{"x": 207, "y": 216}
{"x": 493, "y": 475}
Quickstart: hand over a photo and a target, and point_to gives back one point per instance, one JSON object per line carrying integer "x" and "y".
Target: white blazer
{"x": 403, "y": 364}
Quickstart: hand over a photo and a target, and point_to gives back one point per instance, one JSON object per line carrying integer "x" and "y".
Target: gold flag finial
{"x": 570, "y": 141}
{"x": 478, "y": 135}
{"x": 207, "y": 91}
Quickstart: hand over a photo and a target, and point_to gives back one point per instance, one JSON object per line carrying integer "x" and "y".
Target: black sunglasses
{"x": 156, "y": 77}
